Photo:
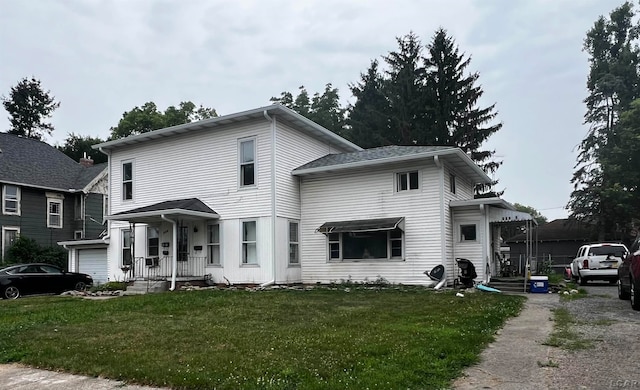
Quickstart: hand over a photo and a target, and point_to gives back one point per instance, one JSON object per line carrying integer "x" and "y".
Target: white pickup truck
{"x": 598, "y": 262}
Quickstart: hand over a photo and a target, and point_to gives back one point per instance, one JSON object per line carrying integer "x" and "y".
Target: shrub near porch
{"x": 322, "y": 338}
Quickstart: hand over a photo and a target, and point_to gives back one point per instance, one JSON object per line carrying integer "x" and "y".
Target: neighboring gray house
{"x": 47, "y": 196}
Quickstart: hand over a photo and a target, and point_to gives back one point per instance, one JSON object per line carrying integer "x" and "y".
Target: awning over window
{"x": 363, "y": 225}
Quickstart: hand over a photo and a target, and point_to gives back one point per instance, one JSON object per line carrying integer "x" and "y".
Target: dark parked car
{"x": 23, "y": 279}
{"x": 629, "y": 276}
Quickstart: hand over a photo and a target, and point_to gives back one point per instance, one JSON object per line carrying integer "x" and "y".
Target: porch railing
{"x": 161, "y": 267}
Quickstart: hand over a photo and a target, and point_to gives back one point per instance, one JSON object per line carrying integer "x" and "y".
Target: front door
{"x": 183, "y": 243}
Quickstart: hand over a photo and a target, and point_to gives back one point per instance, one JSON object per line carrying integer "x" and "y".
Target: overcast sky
{"x": 102, "y": 58}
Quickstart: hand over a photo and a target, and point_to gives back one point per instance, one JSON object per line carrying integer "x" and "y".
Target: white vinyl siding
{"x": 370, "y": 194}
{"x": 185, "y": 167}
{"x": 10, "y": 200}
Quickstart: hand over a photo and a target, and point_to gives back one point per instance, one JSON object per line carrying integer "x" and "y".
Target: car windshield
{"x": 615, "y": 250}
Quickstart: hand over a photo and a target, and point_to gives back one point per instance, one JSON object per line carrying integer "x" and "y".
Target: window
{"x": 11, "y": 200}
{"x": 407, "y": 181}
{"x": 213, "y": 244}
{"x": 294, "y": 243}
{"x": 54, "y": 213}
{"x": 467, "y": 232}
{"x": 153, "y": 241}
{"x": 126, "y": 247}
{"x": 249, "y": 249}
{"x": 77, "y": 235}
{"x": 247, "y": 163}
{"x": 105, "y": 207}
{"x": 127, "y": 181}
{"x": 183, "y": 243}
{"x": 9, "y": 236}
{"x": 452, "y": 184}
{"x": 372, "y": 245}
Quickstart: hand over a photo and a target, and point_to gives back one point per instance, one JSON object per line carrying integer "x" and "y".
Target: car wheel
{"x": 11, "y": 292}
{"x": 581, "y": 281}
{"x": 80, "y": 286}
{"x": 622, "y": 293}
{"x": 635, "y": 295}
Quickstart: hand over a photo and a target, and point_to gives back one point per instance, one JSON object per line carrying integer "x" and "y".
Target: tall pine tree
{"x": 28, "y": 106}
{"x": 452, "y": 98}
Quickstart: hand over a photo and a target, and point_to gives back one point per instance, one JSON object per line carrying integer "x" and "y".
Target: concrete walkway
{"x": 516, "y": 360}
{"x": 17, "y": 377}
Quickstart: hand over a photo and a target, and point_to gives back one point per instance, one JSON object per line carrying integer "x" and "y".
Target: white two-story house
{"x": 268, "y": 196}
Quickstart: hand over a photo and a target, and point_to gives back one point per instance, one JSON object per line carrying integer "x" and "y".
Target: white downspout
{"x": 108, "y": 235}
{"x": 273, "y": 194}
{"x": 174, "y": 263}
{"x": 443, "y": 246}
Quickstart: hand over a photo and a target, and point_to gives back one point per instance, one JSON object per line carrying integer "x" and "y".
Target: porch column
{"x": 174, "y": 250}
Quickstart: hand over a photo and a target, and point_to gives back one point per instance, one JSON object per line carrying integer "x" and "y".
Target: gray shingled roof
{"x": 370, "y": 154}
{"x": 190, "y": 204}
{"x": 30, "y": 162}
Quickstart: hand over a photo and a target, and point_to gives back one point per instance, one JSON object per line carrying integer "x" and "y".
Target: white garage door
{"x": 94, "y": 263}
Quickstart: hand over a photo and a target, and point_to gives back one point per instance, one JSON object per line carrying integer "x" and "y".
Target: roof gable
{"x": 280, "y": 112}
{"x": 33, "y": 163}
{"x": 381, "y": 156}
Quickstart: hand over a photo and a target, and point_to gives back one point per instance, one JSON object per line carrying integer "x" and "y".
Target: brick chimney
{"x": 86, "y": 161}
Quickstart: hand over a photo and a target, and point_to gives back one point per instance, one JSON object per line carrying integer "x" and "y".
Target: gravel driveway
{"x": 614, "y": 329}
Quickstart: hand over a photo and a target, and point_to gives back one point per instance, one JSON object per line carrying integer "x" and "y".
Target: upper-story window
{"x": 127, "y": 180}
{"x": 247, "y": 162}
{"x": 452, "y": 183}
{"x": 54, "y": 210}
{"x": 10, "y": 200}
{"x": 406, "y": 181}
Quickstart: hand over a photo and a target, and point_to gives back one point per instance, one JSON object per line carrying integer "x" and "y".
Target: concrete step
{"x": 145, "y": 286}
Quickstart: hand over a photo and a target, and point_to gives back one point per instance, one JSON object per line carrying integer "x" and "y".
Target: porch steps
{"x": 147, "y": 286}
{"x": 512, "y": 285}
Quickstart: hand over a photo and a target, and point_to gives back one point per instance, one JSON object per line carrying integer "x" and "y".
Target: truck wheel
{"x": 622, "y": 293}
{"x": 581, "y": 281}
{"x": 635, "y": 295}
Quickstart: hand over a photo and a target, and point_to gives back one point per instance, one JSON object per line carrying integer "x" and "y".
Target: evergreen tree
{"x": 369, "y": 116}
{"x": 28, "y": 106}
{"x": 452, "y": 98}
{"x": 405, "y": 92}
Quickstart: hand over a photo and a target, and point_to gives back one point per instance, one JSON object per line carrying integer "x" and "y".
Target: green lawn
{"x": 281, "y": 339}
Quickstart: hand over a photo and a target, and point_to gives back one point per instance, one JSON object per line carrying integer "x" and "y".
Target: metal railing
{"x": 155, "y": 268}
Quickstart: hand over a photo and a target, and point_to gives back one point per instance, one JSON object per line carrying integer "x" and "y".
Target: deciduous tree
{"x": 29, "y": 106}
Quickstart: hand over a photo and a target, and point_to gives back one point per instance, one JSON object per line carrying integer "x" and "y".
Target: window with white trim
{"x": 54, "y": 212}
{"x": 213, "y": 244}
{"x": 10, "y": 200}
{"x": 126, "y": 239}
{"x": 127, "y": 180}
{"x": 370, "y": 245}
{"x": 452, "y": 183}
{"x": 246, "y": 162}
{"x": 249, "y": 243}
{"x": 153, "y": 241}
{"x": 406, "y": 181}
{"x": 468, "y": 232}
{"x": 294, "y": 243}
{"x": 9, "y": 236}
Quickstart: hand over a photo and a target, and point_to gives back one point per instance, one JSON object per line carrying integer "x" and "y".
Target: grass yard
{"x": 280, "y": 339}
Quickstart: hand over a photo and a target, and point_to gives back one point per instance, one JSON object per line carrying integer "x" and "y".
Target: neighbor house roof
{"x": 559, "y": 230}
{"x": 280, "y": 112}
{"x": 33, "y": 163}
{"x": 455, "y": 157}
